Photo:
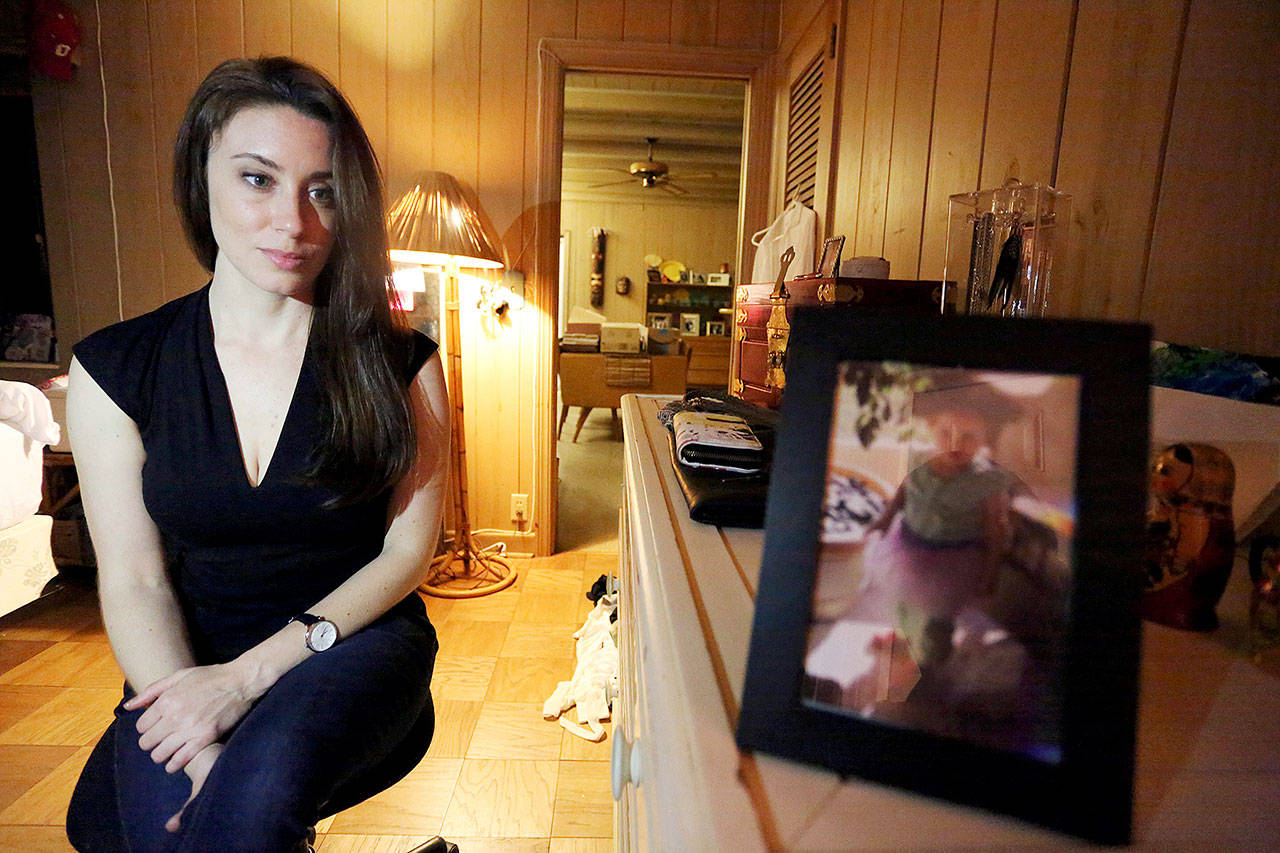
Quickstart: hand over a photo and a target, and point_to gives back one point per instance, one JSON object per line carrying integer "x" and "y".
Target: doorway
{"x": 651, "y": 172}
{"x": 557, "y": 59}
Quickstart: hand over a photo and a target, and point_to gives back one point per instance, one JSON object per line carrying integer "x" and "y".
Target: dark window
{"x": 26, "y": 299}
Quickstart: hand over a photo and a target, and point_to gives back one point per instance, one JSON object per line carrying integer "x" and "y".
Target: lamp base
{"x": 468, "y": 572}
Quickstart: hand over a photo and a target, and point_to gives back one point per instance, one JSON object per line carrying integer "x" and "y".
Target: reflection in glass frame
{"x": 425, "y": 315}
{"x": 949, "y": 577}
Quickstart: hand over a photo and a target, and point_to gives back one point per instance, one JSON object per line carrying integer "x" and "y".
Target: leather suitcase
{"x": 762, "y": 322}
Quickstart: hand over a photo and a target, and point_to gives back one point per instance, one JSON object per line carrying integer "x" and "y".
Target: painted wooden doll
{"x": 1190, "y": 536}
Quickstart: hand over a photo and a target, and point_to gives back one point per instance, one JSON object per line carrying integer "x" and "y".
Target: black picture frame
{"x": 1086, "y": 787}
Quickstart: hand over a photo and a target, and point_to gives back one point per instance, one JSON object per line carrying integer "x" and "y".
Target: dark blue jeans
{"x": 333, "y": 731}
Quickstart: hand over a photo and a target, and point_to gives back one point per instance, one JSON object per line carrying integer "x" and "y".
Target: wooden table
{"x": 1208, "y": 754}
{"x": 586, "y": 382}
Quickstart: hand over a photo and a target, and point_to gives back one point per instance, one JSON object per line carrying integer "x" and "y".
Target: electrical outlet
{"x": 519, "y": 508}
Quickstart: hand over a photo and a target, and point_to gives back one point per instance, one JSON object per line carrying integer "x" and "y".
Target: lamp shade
{"x": 434, "y": 223}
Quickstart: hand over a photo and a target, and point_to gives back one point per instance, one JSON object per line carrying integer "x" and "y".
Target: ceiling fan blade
{"x": 696, "y": 176}
{"x": 611, "y": 184}
{"x": 673, "y": 189}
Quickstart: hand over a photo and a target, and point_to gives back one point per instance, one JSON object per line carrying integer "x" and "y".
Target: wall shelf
{"x": 711, "y": 302}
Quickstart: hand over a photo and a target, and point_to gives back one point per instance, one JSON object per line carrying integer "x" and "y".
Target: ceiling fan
{"x": 651, "y": 173}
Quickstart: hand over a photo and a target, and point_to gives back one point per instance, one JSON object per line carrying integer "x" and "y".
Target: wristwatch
{"x": 321, "y": 633}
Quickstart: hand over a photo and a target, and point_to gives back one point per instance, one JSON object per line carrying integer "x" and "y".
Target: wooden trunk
{"x": 762, "y": 322}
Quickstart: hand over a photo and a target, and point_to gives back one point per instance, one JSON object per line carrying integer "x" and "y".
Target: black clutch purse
{"x": 723, "y": 498}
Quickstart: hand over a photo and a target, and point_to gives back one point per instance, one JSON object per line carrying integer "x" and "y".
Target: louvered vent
{"x": 803, "y": 124}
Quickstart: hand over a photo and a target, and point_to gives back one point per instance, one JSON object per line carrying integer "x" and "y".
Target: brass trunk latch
{"x": 778, "y": 329}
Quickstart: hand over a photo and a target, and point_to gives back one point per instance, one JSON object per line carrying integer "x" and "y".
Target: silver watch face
{"x": 322, "y": 635}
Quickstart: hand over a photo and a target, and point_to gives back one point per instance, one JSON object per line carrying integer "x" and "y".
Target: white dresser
{"x": 1209, "y": 733}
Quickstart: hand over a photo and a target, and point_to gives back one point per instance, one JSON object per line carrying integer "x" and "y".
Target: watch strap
{"x": 307, "y": 619}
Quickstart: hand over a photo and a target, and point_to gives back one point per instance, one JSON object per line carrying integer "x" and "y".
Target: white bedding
{"x": 26, "y": 561}
{"x": 26, "y": 558}
{"x": 26, "y": 426}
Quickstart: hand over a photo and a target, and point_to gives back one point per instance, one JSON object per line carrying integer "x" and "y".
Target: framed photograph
{"x": 949, "y": 583}
{"x": 713, "y": 327}
{"x": 721, "y": 279}
{"x": 690, "y": 323}
{"x": 830, "y": 262}
{"x": 658, "y": 321}
{"x": 652, "y": 276}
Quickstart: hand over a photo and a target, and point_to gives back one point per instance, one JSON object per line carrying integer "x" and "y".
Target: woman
{"x": 262, "y": 465}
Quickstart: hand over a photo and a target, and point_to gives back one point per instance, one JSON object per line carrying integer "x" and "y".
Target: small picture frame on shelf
{"x": 713, "y": 327}
{"x": 720, "y": 279}
{"x": 653, "y": 276}
{"x": 830, "y": 263}
{"x": 996, "y": 667}
{"x": 658, "y": 321}
{"x": 689, "y": 324}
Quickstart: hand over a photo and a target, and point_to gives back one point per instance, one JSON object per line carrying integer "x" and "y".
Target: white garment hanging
{"x": 795, "y": 227}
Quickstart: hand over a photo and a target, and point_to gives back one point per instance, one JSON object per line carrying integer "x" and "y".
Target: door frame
{"x": 555, "y": 58}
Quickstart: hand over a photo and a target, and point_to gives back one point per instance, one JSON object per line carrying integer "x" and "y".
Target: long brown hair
{"x": 360, "y": 346}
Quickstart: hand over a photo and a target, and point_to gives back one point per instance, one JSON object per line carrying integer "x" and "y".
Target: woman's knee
{"x": 93, "y": 818}
{"x": 262, "y": 801}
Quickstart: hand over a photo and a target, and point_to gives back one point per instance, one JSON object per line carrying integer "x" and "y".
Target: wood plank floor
{"x": 497, "y": 777}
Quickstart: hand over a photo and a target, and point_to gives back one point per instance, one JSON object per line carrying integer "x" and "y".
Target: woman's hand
{"x": 189, "y": 710}
{"x": 198, "y": 770}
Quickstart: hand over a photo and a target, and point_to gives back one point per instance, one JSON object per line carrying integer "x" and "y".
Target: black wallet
{"x": 724, "y": 498}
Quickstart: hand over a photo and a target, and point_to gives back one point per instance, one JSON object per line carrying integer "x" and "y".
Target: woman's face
{"x": 271, "y": 199}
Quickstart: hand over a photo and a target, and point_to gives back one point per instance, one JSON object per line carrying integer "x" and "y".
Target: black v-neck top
{"x": 243, "y": 559}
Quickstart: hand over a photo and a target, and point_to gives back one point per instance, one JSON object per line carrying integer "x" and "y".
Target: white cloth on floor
{"x": 26, "y": 426}
{"x": 595, "y": 679}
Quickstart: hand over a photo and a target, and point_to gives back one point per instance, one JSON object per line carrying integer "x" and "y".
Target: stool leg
{"x": 583, "y": 411}
{"x": 564, "y": 413}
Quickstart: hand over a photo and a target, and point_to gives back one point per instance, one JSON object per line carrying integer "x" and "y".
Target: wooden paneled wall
{"x": 439, "y": 84}
{"x": 701, "y": 236}
{"x": 1159, "y": 118}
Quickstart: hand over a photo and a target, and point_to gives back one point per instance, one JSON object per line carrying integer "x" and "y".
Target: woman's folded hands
{"x": 188, "y": 710}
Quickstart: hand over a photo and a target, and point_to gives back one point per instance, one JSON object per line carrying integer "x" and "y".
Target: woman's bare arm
{"x": 141, "y": 613}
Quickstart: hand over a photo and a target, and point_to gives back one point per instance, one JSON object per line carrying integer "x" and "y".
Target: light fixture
{"x": 433, "y": 224}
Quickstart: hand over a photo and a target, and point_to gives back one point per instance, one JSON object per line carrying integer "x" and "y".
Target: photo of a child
{"x": 944, "y": 611}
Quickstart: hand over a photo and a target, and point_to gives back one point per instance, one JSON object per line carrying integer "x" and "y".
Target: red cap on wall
{"x": 55, "y": 35}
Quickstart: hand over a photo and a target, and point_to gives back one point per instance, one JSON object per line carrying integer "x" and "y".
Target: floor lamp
{"x": 433, "y": 224}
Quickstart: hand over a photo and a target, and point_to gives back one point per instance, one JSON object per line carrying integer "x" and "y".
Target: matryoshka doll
{"x": 1190, "y": 536}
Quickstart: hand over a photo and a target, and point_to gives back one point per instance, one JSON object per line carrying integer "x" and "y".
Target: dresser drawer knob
{"x": 624, "y": 765}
